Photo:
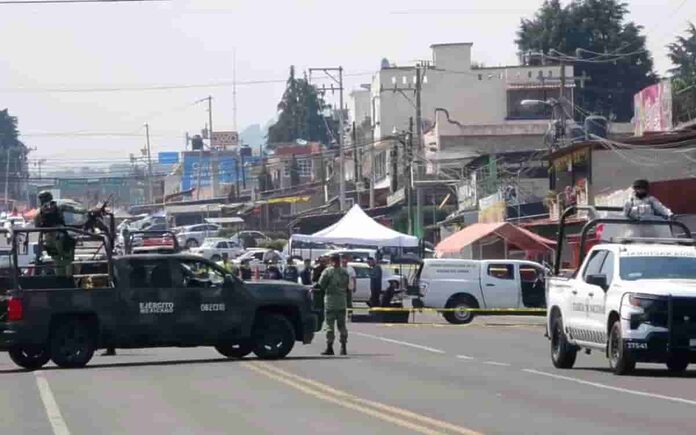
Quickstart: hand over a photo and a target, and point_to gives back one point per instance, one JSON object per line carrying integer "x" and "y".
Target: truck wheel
{"x": 678, "y": 362}
{"x": 620, "y": 360}
{"x": 459, "y": 317}
{"x": 191, "y": 243}
{"x": 31, "y": 358}
{"x": 215, "y": 258}
{"x": 563, "y": 354}
{"x": 72, "y": 344}
{"x": 235, "y": 350}
{"x": 274, "y": 337}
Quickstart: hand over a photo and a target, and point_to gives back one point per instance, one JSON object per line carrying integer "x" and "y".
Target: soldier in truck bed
{"x": 59, "y": 244}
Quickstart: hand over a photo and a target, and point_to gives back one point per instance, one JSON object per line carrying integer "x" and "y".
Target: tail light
{"x": 599, "y": 231}
{"x": 15, "y": 310}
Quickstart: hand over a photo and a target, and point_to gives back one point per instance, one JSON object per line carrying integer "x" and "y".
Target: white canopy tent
{"x": 357, "y": 228}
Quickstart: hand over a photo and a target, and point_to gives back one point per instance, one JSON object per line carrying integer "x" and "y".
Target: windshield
{"x": 635, "y": 268}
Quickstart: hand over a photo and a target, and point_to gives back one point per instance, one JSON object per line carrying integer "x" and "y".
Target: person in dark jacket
{"x": 375, "y": 282}
{"x": 306, "y": 274}
{"x": 290, "y": 273}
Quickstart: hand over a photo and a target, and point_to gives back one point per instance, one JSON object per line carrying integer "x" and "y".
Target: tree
{"x": 611, "y": 51}
{"x": 682, "y": 53}
{"x": 301, "y": 115}
{"x": 11, "y": 146}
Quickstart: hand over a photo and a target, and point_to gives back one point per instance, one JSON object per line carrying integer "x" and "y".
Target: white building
{"x": 466, "y": 110}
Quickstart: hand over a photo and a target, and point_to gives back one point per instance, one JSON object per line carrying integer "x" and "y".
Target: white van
{"x": 456, "y": 283}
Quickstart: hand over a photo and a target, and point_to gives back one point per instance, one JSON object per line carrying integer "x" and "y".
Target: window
{"x": 305, "y": 166}
{"x": 480, "y": 77}
{"x": 549, "y": 74}
{"x": 380, "y": 167}
{"x": 529, "y": 74}
{"x": 608, "y": 267}
{"x": 594, "y": 264}
{"x": 222, "y": 245}
{"x": 361, "y": 272}
{"x": 530, "y": 274}
{"x": 198, "y": 274}
{"x": 149, "y": 274}
{"x": 501, "y": 271}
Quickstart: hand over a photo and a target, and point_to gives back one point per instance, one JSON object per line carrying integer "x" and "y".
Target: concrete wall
{"x": 617, "y": 170}
{"x": 360, "y": 105}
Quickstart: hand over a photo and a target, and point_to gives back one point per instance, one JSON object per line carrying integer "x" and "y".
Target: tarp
{"x": 357, "y": 228}
{"x": 521, "y": 238}
{"x": 225, "y": 220}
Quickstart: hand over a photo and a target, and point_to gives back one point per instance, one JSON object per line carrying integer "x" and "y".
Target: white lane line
{"x": 52, "y": 410}
{"x": 465, "y": 357}
{"x": 495, "y": 363}
{"x": 403, "y": 343}
{"x": 608, "y": 387}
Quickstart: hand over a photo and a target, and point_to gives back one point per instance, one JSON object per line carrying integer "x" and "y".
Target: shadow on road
{"x": 194, "y": 361}
{"x": 648, "y": 373}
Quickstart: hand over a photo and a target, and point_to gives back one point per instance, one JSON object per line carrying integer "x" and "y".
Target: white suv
{"x": 634, "y": 300}
{"x": 192, "y": 236}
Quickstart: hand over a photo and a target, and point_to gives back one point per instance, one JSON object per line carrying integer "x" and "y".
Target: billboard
{"x": 195, "y": 163}
{"x": 225, "y": 139}
{"x": 168, "y": 157}
{"x": 653, "y": 108}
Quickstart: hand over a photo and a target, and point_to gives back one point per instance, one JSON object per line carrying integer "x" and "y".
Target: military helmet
{"x": 641, "y": 184}
{"x": 45, "y": 196}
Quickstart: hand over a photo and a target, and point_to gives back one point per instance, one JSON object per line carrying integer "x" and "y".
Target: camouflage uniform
{"x": 59, "y": 244}
{"x": 334, "y": 283}
{"x": 229, "y": 267}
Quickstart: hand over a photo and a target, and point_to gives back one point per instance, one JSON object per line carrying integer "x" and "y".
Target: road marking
{"x": 465, "y": 357}
{"x": 51, "y": 406}
{"x": 609, "y": 387}
{"x": 403, "y": 343}
{"x": 402, "y": 417}
{"x": 495, "y": 363}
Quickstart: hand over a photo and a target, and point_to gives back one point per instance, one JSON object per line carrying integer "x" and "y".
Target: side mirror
{"x": 598, "y": 280}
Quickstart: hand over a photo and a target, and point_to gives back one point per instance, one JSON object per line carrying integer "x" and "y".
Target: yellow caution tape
{"x": 492, "y": 311}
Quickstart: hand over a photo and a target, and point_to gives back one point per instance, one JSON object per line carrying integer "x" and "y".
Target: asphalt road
{"x": 427, "y": 378}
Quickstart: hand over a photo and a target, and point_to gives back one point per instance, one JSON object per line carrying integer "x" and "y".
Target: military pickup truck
{"x": 141, "y": 301}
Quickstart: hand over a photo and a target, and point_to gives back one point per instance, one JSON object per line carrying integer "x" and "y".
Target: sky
{"x": 122, "y": 46}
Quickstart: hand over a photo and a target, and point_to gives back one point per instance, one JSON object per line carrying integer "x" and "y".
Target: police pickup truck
{"x": 141, "y": 301}
{"x": 633, "y": 299}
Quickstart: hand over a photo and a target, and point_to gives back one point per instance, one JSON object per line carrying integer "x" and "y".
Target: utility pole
{"x": 149, "y": 165}
{"x": 236, "y": 177}
{"x": 241, "y": 156}
{"x": 372, "y": 157}
{"x": 561, "y": 100}
{"x": 214, "y": 164}
{"x": 341, "y": 156}
{"x": 356, "y": 172}
{"x": 408, "y": 190}
{"x": 7, "y": 179}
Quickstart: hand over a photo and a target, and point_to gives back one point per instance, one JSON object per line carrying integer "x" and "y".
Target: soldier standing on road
{"x": 227, "y": 264}
{"x": 375, "y": 282}
{"x": 318, "y": 293}
{"x": 334, "y": 283}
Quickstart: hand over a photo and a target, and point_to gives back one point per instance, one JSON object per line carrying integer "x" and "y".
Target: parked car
{"x": 362, "y": 281}
{"x": 214, "y": 247}
{"x": 192, "y": 236}
{"x": 249, "y": 239}
{"x": 455, "y": 283}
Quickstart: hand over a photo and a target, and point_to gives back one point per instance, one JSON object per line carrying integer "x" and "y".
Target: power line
{"x": 40, "y": 2}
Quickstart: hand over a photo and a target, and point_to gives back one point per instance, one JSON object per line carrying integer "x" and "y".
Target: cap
{"x": 641, "y": 184}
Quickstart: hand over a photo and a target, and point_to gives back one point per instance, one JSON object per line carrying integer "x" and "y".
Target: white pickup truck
{"x": 633, "y": 299}
{"x": 462, "y": 284}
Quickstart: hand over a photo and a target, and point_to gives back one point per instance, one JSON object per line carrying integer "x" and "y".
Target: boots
{"x": 329, "y": 350}
{"x": 343, "y": 349}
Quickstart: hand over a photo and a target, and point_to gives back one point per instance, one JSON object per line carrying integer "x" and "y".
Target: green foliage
{"x": 682, "y": 53}
{"x": 300, "y": 115}
{"x": 598, "y": 26}
{"x": 9, "y": 142}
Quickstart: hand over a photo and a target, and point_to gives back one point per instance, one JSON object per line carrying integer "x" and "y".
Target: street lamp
{"x": 553, "y": 104}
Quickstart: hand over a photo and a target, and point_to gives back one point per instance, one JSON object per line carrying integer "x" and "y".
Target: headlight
{"x": 646, "y": 302}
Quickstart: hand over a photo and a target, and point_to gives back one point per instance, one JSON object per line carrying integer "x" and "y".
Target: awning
{"x": 225, "y": 220}
{"x": 288, "y": 200}
{"x": 519, "y": 237}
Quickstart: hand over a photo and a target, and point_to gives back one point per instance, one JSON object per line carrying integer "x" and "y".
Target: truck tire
{"x": 274, "y": 336}
{"x": 563, "y": 354}
{"x": 191, "y": 243}
{"x": 678, "y": 362}
{"x": 215, "y": 258}
{"x": 459, "y": 317}
{"x": 29, "y": 358}
{"x": 620, "y": 360}
{"x": 72, "y": 343}
{"x": 235, "y": 350}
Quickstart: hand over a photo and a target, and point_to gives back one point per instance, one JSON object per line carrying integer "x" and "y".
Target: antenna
{"x": 234, "y": 89}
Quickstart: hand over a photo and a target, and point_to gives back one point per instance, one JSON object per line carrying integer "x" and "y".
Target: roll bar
{"x": 594, "y": 222}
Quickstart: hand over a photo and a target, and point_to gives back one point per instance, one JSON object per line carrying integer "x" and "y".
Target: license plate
{"x": 692, "y": 342}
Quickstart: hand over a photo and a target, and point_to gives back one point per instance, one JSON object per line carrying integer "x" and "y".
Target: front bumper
{"x": 657, "y": 346}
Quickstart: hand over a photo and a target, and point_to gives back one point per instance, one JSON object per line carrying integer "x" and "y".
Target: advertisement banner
{"x": 653, "y": 108}
{"x": 492, "y": 208}
{"x": 225, "y": 139}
